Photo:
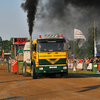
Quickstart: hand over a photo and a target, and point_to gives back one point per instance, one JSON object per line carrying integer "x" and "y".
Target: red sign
{"x": 20, "y": 40}
{"x": 14, "y": 66}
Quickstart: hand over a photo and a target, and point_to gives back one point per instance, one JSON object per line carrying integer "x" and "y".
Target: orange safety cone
{"x": 97, "y": 71}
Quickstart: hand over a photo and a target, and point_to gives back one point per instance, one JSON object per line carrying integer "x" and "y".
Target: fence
{"x": 83, "y": 66}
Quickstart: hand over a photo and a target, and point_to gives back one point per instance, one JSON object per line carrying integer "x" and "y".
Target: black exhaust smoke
{"x": 30, "y": 6}
{"x": 83, "y": 3}
{"x": 62, "y": 16}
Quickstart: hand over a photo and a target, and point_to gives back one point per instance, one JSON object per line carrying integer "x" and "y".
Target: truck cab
{"x": 49, "y": 56}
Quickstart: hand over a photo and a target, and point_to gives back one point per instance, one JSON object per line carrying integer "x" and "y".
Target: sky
{"x": 13, "y": 20}
{"x": 52, "y": 17}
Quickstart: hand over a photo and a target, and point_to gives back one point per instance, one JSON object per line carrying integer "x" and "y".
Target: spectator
{"x": 20, "y": 50}
{"x": 78, "y": 61}
{"x": 69, "y": 60}
{"x": 84, "y": 61}
{"x": 87, "y": 58}
{"x": 96, "y": 60}
{"x": 88, "y": 61}
{"x": 81, "y": 60}
{"x": 85, "y": 64}
{"x": 91, "y": 60}
{"x": 75, "y": 60}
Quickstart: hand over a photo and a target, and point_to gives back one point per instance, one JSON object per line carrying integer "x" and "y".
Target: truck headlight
{"x": 64, "y": 67}
{"x": 41, "y": 68}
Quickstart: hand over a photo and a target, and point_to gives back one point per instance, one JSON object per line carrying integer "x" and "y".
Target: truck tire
{"x": 33, "y": 73}
{"x": 24, "y": 69}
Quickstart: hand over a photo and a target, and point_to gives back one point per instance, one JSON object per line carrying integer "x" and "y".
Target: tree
{"x": 91, "y": 41}
{"x": 6, "y": 45}
{"x": 11, "y": 40}
{"x": 83, "y": 50}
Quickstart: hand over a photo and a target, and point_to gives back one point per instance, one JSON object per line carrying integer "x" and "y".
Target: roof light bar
{"x": 52, "y": 36}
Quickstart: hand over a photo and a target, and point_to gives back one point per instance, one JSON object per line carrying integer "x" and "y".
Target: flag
{"x": 78, "y": 34}
{"x": 95, "y": 49}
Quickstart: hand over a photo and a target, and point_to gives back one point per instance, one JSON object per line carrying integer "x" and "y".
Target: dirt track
{"x": 17, "y": 87}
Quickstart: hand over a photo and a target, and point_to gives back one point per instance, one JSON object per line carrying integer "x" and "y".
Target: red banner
{"x": 20, "y": 40}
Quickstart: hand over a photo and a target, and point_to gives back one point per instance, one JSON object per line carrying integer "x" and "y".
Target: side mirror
{"x": 32, "y": 47}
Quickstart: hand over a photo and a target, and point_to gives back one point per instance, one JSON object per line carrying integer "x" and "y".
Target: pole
{"x": 74, "y": 53}
{"x": 94, "y": 40}
{"x": 30, "y": 46}
{"x": 74, "y": 48}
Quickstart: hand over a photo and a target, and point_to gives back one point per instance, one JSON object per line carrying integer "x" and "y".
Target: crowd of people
{"x": 84, "y": 64}
{"x": 86, "y": 60}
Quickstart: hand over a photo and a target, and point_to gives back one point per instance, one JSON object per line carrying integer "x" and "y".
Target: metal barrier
{"x": 85, "y": 66}
{"x": 81, "y": 66}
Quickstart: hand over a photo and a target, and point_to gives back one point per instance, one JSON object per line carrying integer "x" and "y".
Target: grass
{"x": 84, "y": 72}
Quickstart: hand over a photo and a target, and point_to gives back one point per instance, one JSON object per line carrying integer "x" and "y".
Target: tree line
{"x": 6, "y": 45}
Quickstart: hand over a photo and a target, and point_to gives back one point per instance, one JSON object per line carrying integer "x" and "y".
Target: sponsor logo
{"x": 52, "y": 61}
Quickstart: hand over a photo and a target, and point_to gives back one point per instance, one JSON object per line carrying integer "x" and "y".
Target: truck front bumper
{"x": 51, "y": 69}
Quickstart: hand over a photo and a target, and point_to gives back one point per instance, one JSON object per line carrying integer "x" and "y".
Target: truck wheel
{"x": 24, "y": 69}
{"x": 33, "y": 73}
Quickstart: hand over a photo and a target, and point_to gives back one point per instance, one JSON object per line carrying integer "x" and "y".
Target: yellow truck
{"x": 49, "y": 56}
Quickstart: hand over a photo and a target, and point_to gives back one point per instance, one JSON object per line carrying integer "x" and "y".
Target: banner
{"x": 89, "y": 66}
{"x": 78, "y": 34}
{"x": 70, "y": 65}
{"x": 79, "y": 66}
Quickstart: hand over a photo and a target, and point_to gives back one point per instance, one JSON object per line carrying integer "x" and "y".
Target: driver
{"x": 59, "y": 47}
{"x": 41, "y": 48}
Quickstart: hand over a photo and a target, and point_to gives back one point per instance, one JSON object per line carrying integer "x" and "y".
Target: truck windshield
{"x": 51, "y": 47}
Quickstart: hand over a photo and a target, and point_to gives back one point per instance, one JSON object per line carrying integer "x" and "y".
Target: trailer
{"x": 26, "y": 60}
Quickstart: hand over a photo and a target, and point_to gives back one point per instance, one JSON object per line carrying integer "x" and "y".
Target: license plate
{"x": 53, "y": 67}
